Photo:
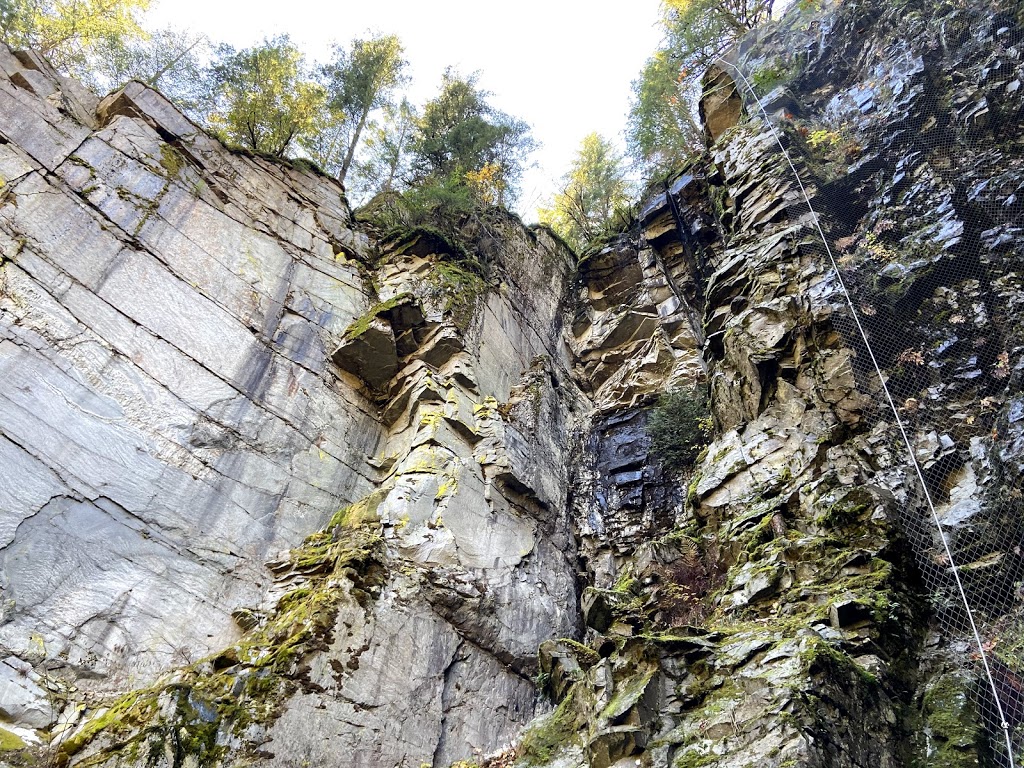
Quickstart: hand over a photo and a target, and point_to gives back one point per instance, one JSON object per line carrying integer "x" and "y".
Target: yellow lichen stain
{"x": 431, "y": 419}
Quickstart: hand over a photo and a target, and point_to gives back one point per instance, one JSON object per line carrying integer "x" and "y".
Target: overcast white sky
{"x": 564, "y": 66}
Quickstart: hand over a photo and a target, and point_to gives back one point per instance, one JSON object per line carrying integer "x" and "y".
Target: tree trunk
{"x": 352, "y": 147}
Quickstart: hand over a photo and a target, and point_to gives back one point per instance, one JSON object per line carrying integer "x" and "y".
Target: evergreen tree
{"x": 460, "y": 133}
{"x": 596, "y": 189}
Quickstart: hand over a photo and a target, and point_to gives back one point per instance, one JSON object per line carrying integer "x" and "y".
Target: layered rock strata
{"x": 202, "y": 366}
{"x": 280, "y": 490}
{"x": 781, "y": 615}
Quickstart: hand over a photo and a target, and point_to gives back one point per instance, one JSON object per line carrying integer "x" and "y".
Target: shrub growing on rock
{"x": 679, "y": 426}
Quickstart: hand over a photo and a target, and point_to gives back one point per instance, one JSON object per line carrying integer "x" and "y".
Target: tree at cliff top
{"x": 264, "y": 98}
{"x": 699, "y": 31}
{"x": 66, "y": 32}
{"x": 383, "y": 162}
{"x": 662, "y": 130}
{"x": 596, "y": 189}
{"x": 170, "y": 60}
{"x": 463, "y": 140}
{"x": 359, "y": 80}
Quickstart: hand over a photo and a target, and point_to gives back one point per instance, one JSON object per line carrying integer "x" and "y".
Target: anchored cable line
{"x": 1004, "y": 724}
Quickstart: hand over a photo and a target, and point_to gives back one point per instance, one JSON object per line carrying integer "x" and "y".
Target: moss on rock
{"x": 458, "y": 289}
{"x": 548, "y": 735}
{"x": 951, "y": 723}
{"x": 362, "y": 324}
{"x": 188, "y": 719}
{"x": 10, "y": 742}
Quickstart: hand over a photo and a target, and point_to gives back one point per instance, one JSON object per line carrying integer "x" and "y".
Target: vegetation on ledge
{"x": 193, "y": 712}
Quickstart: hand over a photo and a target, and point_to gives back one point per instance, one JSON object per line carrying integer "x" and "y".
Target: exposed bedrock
{"x": 278, "y": 490}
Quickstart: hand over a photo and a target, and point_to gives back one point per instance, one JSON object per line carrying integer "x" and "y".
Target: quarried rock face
{"x": 170, "y": 419}
{"x": 198, "y": 375}
{"x": 279, "y": 490}
{"x": 781, "y": 617}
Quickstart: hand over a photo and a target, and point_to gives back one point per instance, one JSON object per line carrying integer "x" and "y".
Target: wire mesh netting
{"x": 906, "y": 145}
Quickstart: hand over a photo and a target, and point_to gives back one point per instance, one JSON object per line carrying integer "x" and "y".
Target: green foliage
{"x": 358, "y": 80}
{"x": 383, "y": 163}
{"x": 595, "y": 189}
{"x": 460, "y": 133}
{"x": 699, "y": 31}
{"x": 679, "y": 426}
{"x": 662, "y": 131}
{"x": 67, "y": 32}
{"x": 443, "y": 203}
{"x": 439, "y": 205}
{"x": 264, "y": 98}
{"x": 768, "y": 76}
{"x": 170, "y": 60}
{"x": 822, "y": 138}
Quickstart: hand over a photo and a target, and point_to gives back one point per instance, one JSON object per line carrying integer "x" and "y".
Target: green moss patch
{"x": 188, "y": 719}
{"x": 458, "y": 289}
{"x": 171, "y": 160}
{"x": 949, "y": 713}
{"x": 362, "y": 324}
{"x": 10, "y": 742}
{"x": 362, "y": 512}
{"x": 585, "y": 655}
{"x": 547, "y": 736}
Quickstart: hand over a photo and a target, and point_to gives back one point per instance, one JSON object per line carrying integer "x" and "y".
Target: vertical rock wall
{"x": 169, "y": 416}
{"x": 779, "y": 616}
{"x": 203, "y": 364}
{"x": 275, "y": 490}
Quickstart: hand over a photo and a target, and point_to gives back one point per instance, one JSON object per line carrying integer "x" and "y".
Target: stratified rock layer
{"x": 278, "y": 491}
{"x": 173, "y": 420}
{"x": 170, "y": 419}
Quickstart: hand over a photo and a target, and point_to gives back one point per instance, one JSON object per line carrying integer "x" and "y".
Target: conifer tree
{"x": 595, "y": 189}
{"x": 462, "y": 139}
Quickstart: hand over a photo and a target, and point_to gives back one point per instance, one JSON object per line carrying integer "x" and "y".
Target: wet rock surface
{"x": 802, "y": 566}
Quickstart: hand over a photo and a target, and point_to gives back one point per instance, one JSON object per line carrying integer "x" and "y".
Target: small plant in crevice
{"x": 682, "y": 585}
{"x": 829, "y": 148}
{"x": 448, "y": 209}
{"x": 771, "y": 74}
{"x": 680, "y": 427}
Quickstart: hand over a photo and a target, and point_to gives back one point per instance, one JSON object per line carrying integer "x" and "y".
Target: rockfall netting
{"x": 906, "y": 163}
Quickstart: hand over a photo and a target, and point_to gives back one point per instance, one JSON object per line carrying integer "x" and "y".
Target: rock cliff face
{"x": 277, "y": 490}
